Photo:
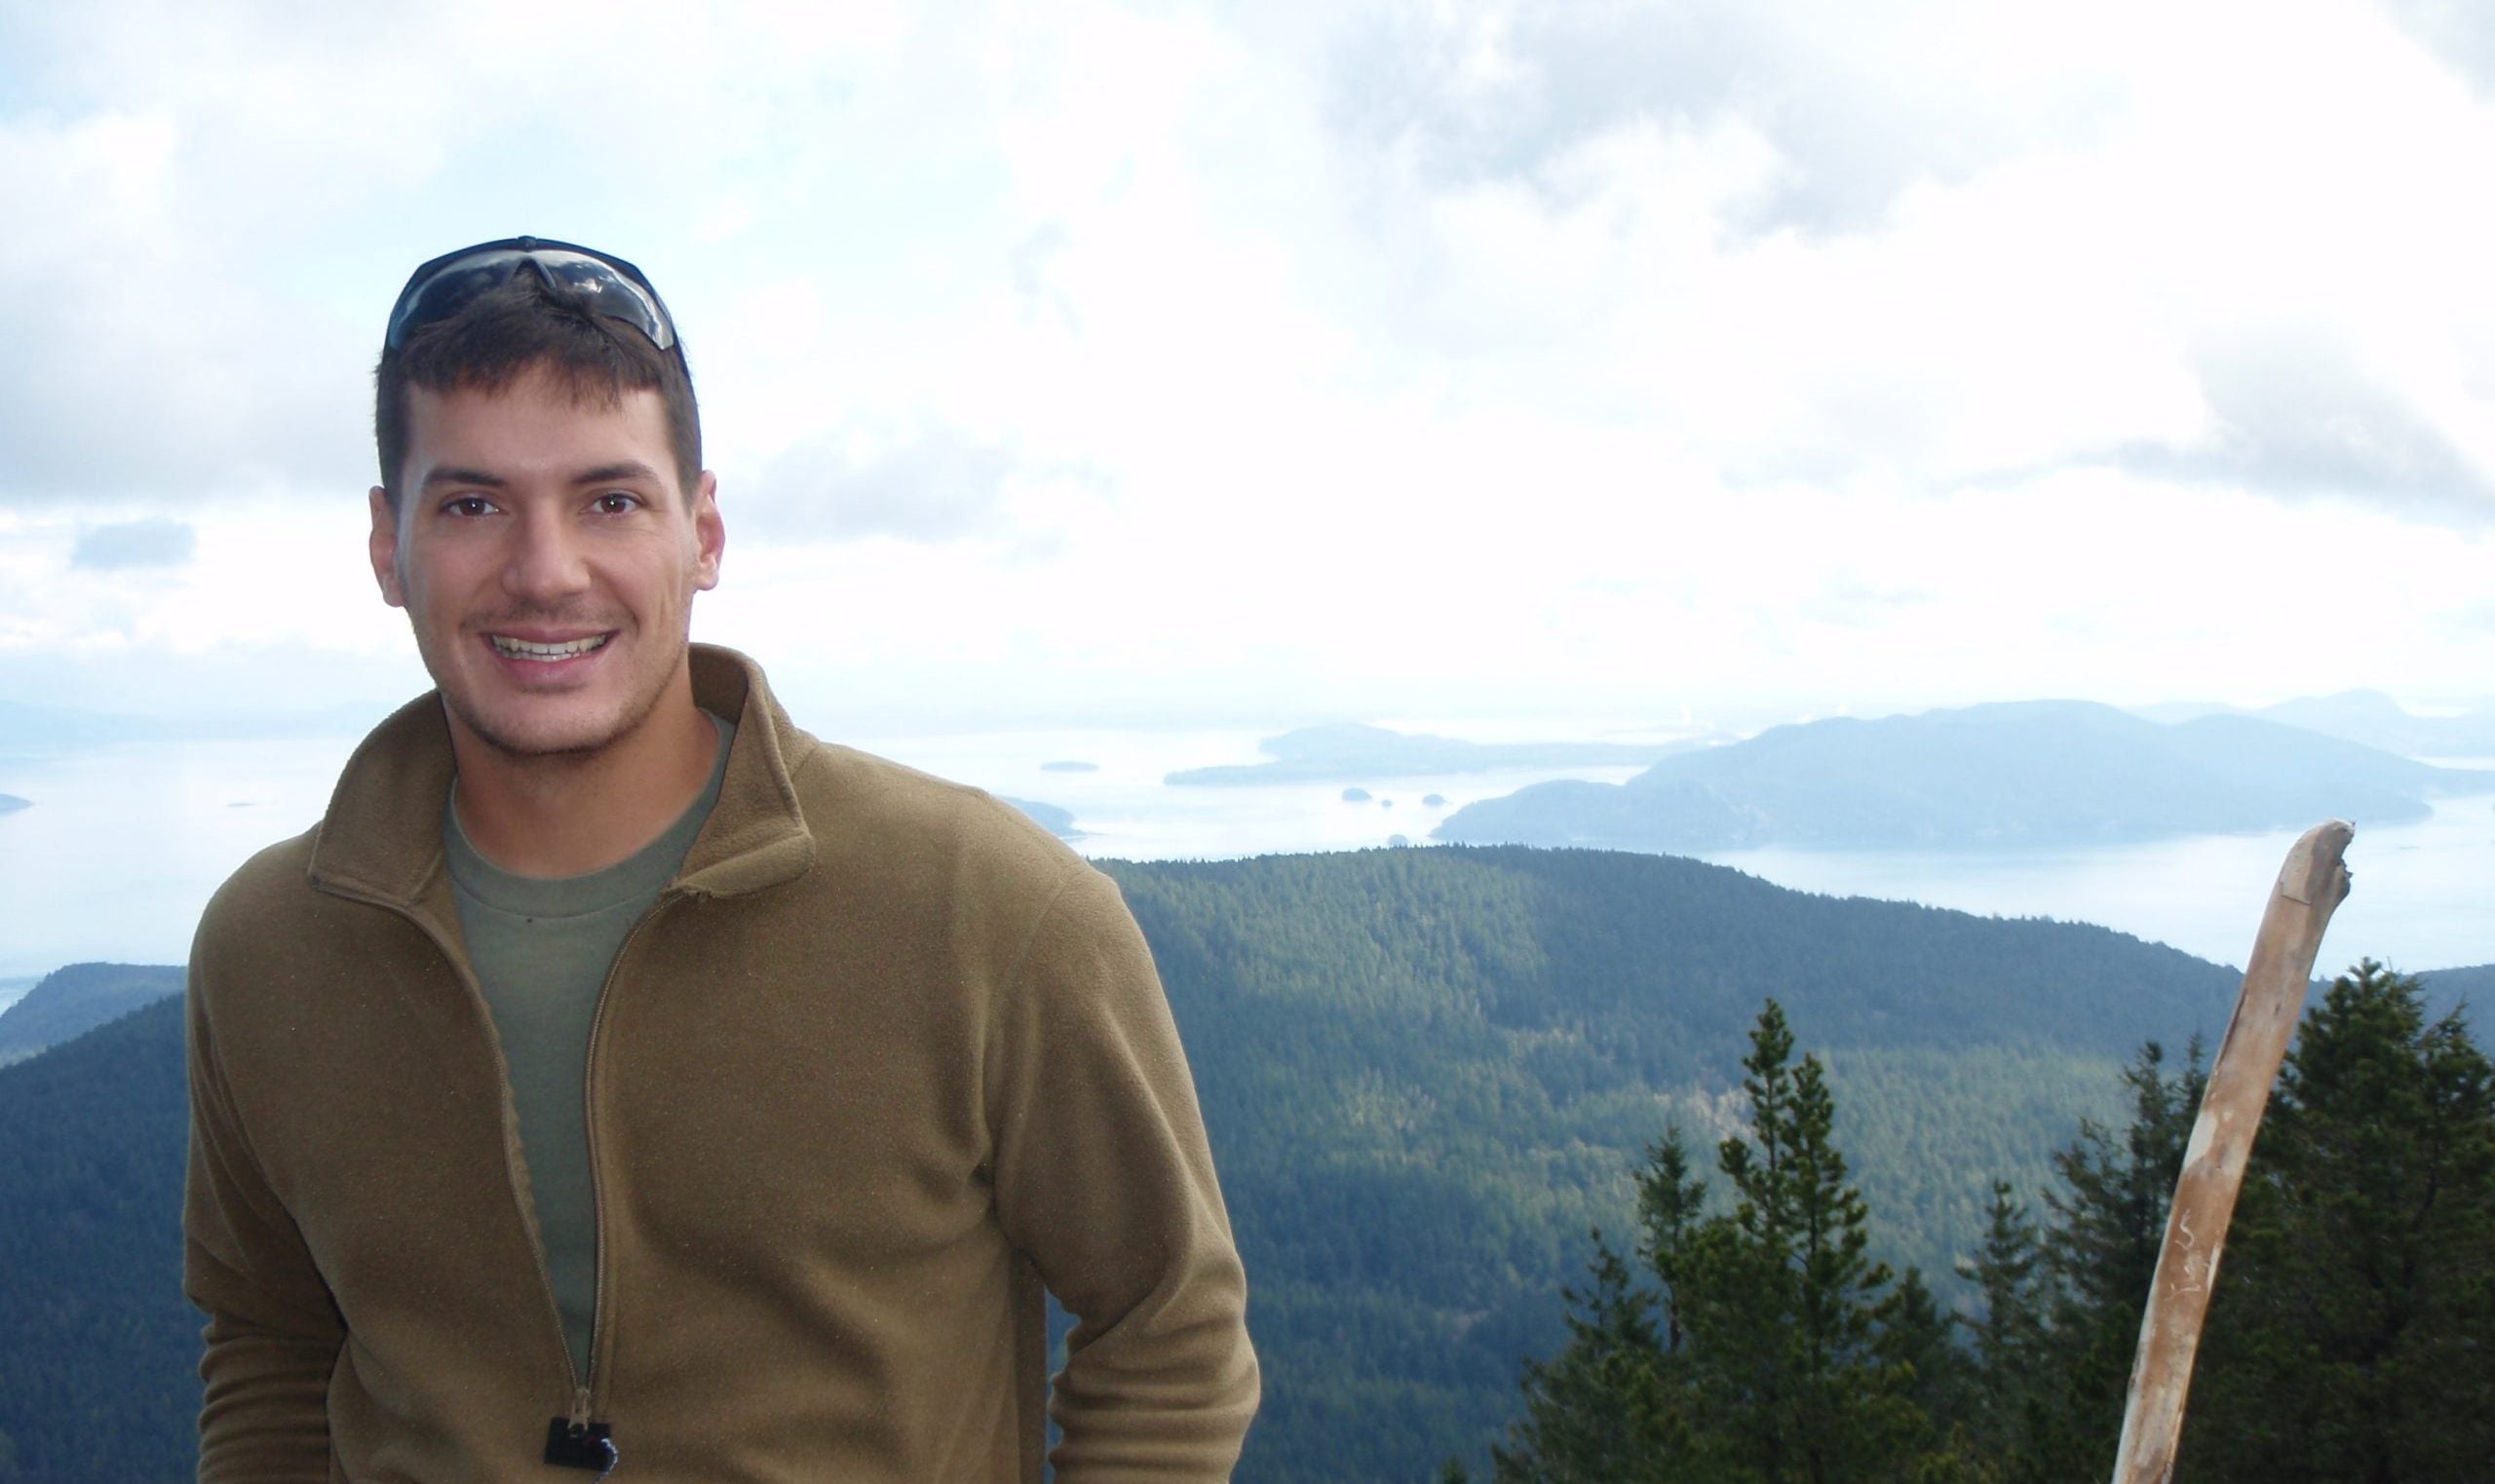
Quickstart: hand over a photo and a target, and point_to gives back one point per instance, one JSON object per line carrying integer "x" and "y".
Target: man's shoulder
{"x": 938, "y": 862}
{"x": 274, "y": 879}
{"x": 856, "y": 810}
{"x": 859, "y": 804}
{"x": 261, "y": 904}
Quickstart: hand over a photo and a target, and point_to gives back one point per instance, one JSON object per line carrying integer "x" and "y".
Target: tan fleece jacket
{"x": 883, "y": 1061}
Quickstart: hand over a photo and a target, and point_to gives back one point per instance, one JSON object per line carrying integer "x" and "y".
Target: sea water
{"x": 123, "y": 844}
{"x": 2419, "y": 897}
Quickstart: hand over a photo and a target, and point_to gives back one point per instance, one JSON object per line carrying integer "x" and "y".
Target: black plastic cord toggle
{"x": 588, "y": 1445}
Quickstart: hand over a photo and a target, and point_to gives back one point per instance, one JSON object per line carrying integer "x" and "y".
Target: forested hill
{"x": 1427, "y": 1071}
{"x": 73, "y": 1001}
{"x": 1578, "y": 947}
{"x": 96, "y": 1342}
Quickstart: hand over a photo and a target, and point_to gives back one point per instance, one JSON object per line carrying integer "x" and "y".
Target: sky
{"x": 1083, "y": 362}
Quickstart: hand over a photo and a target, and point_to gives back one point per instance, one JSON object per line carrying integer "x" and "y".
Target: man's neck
{"x": 568, "y": 814}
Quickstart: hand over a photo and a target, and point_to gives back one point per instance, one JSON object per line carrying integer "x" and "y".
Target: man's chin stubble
{"x": 560, "y": 756}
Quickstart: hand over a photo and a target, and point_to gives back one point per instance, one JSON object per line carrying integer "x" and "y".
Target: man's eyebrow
{"x": 626, "y": 472}
{"x": 453, "y": 474}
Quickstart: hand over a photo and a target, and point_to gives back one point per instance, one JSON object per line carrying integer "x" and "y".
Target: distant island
{"x": 1350, "y": 752}
{"x": 10, "y": 802}
{"x": 2369, "y": 717}
{"x": 1055, "y": 819}
{"x": 1069, "y": 765}
{"x": 2026, "y": 774}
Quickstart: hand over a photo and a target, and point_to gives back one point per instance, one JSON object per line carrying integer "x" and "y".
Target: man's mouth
{"x": 546, "y": 652}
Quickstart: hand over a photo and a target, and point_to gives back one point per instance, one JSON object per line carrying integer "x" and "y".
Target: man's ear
{"x": 710, "y": 535}
{"x": 383, "y": 544}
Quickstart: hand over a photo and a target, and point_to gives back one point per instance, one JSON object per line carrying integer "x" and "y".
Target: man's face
{"x": 546, "y": 559}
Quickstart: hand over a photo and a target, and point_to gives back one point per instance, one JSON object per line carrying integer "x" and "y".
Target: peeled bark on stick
{"x": 2311, "y": 885}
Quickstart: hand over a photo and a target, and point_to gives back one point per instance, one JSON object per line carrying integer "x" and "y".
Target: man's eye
{"x": 469, "y": 504}
{"x": 616, "y": 501}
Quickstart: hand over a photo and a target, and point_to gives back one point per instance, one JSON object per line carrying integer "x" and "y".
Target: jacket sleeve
{"x": 1103, "y": 1177}
{"x": 273, "y": 1333}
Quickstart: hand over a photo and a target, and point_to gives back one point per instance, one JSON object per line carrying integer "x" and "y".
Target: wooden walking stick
{"x": 2311, "y": 885}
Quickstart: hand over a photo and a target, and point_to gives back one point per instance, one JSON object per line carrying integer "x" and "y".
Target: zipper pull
{"x": 578, "y": 1442}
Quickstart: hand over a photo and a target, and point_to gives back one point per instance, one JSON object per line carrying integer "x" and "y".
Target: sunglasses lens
{"x": 446, "y": 290}
{"x": 617, "y": 296}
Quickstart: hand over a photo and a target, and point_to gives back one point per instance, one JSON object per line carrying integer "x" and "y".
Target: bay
{"x": 123, "y": 844}
{"x": 2419, "y": 897}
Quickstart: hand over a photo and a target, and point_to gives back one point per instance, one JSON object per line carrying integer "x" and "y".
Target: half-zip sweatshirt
{"x": 883, "y": 1062}
{"x": 542, "y": 947}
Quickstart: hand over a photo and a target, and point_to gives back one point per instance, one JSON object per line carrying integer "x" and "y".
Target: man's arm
{"x": 1103, "y": 1176}
{"x": 273, "y": 1332}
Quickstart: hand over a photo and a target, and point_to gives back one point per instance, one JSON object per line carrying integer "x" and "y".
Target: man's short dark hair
{"x": 523, "y": 326}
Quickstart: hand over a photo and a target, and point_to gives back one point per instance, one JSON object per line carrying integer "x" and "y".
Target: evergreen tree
{"x": 2100, "y": 1253}
{"x": 1784, "y": 1307}
{"x": 2349, "y": 1338}
{"x": 1940, "y": 1377}
{"x": 2008, "y": 1339}
{"x": 1780, "y": 1357}
{"x": 1670, "y": 1203}
{"x": 1603, "y": 1411}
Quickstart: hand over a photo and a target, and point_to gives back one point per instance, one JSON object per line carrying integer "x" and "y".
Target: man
{"x": 620, "y": 1079}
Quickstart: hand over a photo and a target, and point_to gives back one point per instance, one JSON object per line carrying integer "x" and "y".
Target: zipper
{"x": 596, "y": 1193}
{"x": 574, "y": 1382}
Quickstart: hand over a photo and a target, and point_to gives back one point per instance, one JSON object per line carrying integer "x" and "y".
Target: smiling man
{"x": 619, "y": 1078}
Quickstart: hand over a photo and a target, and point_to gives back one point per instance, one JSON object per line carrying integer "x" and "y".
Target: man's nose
{"x": 547, "y": 561}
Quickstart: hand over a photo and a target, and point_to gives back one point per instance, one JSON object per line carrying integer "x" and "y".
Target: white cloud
{"x": 1384, "y": 357}
{"x": 152, "y": 543}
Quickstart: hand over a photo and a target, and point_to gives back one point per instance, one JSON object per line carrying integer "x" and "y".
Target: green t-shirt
{"x": 542, "y": 946}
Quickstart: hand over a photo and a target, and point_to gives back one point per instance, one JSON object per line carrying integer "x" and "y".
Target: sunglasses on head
{"x": 450, "y": 283}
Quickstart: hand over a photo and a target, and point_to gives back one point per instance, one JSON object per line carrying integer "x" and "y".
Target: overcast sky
{"x": 1282, "y": 362}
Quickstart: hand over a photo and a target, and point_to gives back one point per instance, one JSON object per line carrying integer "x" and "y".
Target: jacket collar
{"x": 381, "y": 839}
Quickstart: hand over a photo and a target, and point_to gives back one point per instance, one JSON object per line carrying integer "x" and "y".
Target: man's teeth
{"x": 525, "y": 649}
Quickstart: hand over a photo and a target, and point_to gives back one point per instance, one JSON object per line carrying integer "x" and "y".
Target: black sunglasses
{"x": 450, "y": 283}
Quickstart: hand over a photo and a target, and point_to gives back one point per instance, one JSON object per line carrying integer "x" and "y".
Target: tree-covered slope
{"x": 1428, "y": 1072}
{"x": 2028, "y": 773}
{"x": 2470, "y": 990}
{"x": 97, "y": 1343}
{"x": 73, "y": 1001}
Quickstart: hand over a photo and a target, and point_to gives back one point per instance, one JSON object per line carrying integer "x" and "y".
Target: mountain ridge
{"x": 75, "y": 998}
{"x": 2008, "y": 775}
{"x": 2367, "y": 716}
